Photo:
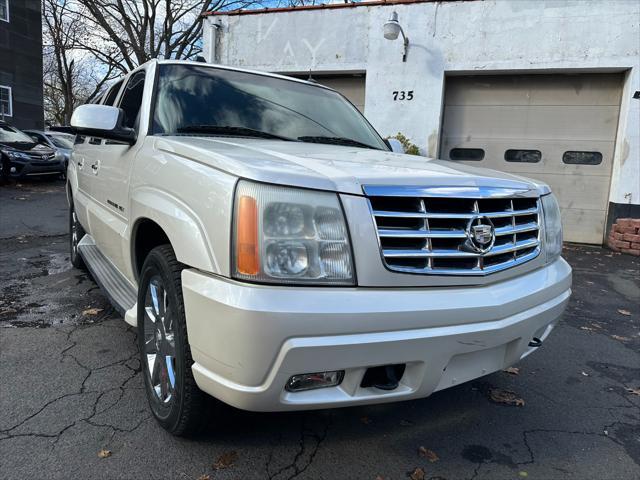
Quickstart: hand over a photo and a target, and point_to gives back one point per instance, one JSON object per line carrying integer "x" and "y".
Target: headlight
{"x": 290, "y": 235}
{"x": 552, "y": 227}
{"x": 20, "y": 155}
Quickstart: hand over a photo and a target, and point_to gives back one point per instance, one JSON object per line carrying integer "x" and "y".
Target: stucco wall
{"x": 448, "y": 37}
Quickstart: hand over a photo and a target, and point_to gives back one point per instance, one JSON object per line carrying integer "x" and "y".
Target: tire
{"x": 5, "y": 168}
{"x": 76, "y": 232}
{"x": 179, "y": 406}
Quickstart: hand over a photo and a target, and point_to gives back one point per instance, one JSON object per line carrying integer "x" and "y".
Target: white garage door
{"x": 351, "y": 87}
{"x": 556, "y": 128}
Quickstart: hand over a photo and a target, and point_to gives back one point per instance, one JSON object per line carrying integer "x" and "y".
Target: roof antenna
{"x": 311, "y": 79}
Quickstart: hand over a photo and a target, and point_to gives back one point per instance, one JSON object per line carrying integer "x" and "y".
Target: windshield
{"x": 61, "y": 140}
{"x": 194, "y": 99}
{"x": 13, "y": 135}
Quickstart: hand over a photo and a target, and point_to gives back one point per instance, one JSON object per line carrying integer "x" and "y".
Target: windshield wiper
{"x": 230, "y": 131}
{"x": 349, "y": 142}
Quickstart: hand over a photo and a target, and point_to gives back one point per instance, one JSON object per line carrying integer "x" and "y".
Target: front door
{"x": 112, "y": 169}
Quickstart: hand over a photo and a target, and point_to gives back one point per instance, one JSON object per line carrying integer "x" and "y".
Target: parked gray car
{"x": 59, "y": 141}
{"x": 22, "y": 156}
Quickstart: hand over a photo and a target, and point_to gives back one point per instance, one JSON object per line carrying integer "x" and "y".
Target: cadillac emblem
{"x": 481, "y": 234}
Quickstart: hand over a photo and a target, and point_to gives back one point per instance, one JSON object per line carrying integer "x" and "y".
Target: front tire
{"x": 76, "y": 232}
{"x": 174, "y": 398}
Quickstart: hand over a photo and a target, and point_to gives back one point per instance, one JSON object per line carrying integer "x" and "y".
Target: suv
{"x": 58, "y": 141}
{"x": 274, "y": 252}
{"x": 22, "y": 156}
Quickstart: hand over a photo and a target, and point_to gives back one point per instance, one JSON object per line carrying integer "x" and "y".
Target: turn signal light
{"x": 247, "y": 252}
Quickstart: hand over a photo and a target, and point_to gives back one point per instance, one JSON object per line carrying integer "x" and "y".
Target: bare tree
{"x": 89, "y": 42}
{"x": 70, "y": 76}
{"x": 126, "y": 33}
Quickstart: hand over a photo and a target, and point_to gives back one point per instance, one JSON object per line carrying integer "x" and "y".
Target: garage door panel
{"x": 576, "y": 191}
{"x": 582, "y": 226}
{"x": 528, "y": 90}
{"x": 551, "y": 151}
{"x": 534, "y": 122}
{"x": 552, "y": 114}
{"x": 351, "y": 87}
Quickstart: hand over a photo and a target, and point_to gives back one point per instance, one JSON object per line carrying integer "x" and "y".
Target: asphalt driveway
{"x": 70, "y": 387}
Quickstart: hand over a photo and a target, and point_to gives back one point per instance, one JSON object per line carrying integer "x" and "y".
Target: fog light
{"x": 13, "y": 170}
{"x": 310, "y": 381}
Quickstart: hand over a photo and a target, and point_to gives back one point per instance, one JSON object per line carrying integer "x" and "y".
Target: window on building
{"x": 582, "y": 158}
{"x": 466, "y": 154}
{"x": 6, "y": 102}
{"x": 523, "y": 156}
{"x": 4, "y": 10}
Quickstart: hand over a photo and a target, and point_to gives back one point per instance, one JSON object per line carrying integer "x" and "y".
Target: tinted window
{"x": 523, "y": 156}
{"x": 112, "y": 94}
{"x": 472, "y": 154}
{"x": 190, "y": 95}
{"x": 131, "y": 100}
{"x": 582, "y": 158}
{"x": 37, "y": 138}
{"x": 61, "y": 140}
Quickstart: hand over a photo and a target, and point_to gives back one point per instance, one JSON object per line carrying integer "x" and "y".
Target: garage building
{"x": 547, "y": 90}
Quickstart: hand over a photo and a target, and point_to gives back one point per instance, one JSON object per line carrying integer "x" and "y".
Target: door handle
{"x": 95, "y": 167}
{"x": 81, "y": 163}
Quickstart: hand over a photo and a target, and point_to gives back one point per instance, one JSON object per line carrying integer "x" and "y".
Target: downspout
{"x": 212, "y": 53}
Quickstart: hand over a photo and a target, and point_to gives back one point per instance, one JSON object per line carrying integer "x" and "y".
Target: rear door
{"x": 82, "y": 197}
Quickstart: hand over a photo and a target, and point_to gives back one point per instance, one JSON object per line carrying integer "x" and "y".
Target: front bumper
{"x": 27, "y": 168}
{"x": 247, "y": 340}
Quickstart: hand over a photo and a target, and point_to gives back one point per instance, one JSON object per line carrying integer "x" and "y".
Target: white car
{"x": 275, "y": 253}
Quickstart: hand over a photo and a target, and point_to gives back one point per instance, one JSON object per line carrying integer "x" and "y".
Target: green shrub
{"x": 409, "y": 148}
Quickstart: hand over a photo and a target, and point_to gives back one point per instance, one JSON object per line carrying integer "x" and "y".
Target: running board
{"x": 119, "y": 291}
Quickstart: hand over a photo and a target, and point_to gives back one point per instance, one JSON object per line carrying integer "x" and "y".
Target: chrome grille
{"x": 428, "y": 231}
{"x": 42, "y": 158}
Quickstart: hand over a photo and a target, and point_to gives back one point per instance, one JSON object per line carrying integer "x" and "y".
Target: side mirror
{"x": 102, "y": 121}
{"x": 395, "y": 145}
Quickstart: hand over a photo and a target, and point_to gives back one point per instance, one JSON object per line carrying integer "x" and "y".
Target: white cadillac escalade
{"x": 275, "y": 253}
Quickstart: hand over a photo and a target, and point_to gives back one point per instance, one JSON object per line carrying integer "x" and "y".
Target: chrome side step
{"x": 119, "y": 291}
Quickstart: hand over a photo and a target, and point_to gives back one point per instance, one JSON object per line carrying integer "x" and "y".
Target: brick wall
{"x": 625, "y": 236}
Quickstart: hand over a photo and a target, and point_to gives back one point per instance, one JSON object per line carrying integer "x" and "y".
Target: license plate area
{"x": 468, "y": 366}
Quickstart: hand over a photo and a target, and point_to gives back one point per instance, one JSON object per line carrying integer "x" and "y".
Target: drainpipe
{"x": 212, "y": 51}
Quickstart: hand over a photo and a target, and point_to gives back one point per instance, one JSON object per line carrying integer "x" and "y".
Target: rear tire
{"x": 76, "y": 232}
{"x": 174, "y": 398}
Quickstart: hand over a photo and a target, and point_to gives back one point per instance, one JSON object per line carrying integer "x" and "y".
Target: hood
{"x": 28, "y": 148}
{"x": 332, "y": 167}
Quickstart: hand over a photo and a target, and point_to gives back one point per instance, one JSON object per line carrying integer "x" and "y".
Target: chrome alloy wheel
{"x": 159, "y": 341}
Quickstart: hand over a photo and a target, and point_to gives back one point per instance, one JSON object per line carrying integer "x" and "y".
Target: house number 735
{"x": 402, "y": 95}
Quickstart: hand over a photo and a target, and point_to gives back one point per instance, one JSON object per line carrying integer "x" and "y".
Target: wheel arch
{"x": 159, "y": 218}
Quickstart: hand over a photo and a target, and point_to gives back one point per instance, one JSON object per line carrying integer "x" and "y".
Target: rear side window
{"x": 582, "y": 158}
{"x": 112, "y": 94}
{"x": 131, "y": 100}
{"x": 468, "y": 154}
{"x": 523, "y": 156}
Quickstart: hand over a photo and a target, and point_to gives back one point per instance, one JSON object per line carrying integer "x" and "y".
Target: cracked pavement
{"x": 71, "y": 386}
